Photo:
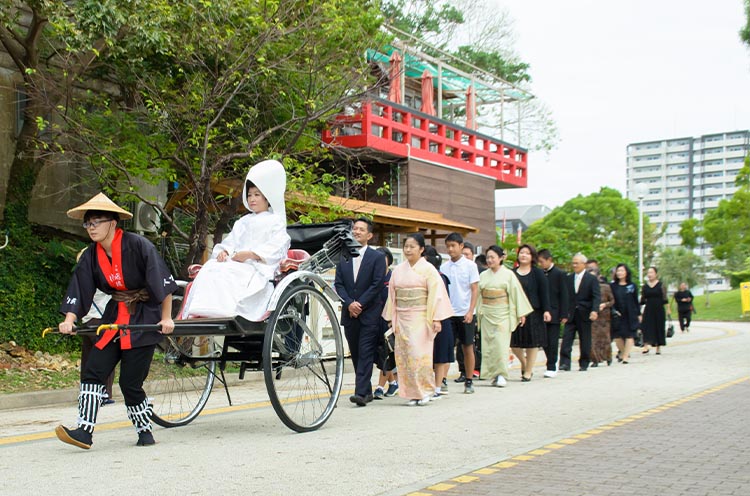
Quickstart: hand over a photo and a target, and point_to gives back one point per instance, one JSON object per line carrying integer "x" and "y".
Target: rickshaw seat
{"x": 293, "y": 260}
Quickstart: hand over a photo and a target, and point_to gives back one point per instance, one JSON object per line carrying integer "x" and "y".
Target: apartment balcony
{"x": 401, "y": 131}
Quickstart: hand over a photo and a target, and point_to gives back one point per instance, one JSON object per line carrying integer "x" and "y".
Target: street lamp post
{"x": 640, "y": 192}
{"x": 640, "y": 240}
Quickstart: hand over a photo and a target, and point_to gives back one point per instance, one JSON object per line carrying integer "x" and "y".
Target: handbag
{"x": 638, "y": 338}
{"x": 670, "y": 328}
{"x": 616, "y": 317}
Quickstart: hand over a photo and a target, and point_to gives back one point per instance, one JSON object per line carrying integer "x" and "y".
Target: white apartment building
{"x": 682, "y": 178}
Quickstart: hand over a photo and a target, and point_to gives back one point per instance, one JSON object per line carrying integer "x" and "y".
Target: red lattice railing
{"x": 405, "y": 132}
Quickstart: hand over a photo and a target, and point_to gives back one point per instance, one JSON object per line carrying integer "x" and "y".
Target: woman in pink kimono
{"x": 417, "y": 302}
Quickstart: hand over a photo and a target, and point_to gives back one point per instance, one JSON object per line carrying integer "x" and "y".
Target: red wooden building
{"x": 431, "y": 163}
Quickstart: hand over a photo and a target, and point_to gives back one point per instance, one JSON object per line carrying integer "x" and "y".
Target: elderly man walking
{"x": 584, "y": 298}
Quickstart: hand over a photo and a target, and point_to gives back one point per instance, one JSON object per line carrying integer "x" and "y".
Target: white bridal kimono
{"x": 229, "y": 288}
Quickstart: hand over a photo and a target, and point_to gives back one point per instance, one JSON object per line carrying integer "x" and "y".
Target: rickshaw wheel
{"x": 303, "y": 358}
{"x": 183, "y": 379}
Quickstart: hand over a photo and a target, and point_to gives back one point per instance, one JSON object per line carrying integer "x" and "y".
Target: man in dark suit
{"x": 584, "y": 297}
{"x": 359, "y": 282}
{"x": 558, "y": 299}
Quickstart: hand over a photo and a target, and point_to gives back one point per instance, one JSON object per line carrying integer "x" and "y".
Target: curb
{"x": 45, "y": 398}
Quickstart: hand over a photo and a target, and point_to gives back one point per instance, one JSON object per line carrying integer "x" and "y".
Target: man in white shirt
{"x": 584, "y": 297}
{"x": 464, "y": 288}
{"x": 359, "y": 282}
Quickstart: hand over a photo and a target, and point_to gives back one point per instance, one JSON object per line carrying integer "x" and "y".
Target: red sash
{"x": 113, "y": 274}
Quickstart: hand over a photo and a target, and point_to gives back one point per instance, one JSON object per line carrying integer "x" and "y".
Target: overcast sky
{"x": 621, "y": 72}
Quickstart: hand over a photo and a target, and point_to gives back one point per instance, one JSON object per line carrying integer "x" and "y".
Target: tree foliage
{"x": 194, "y": 92}
{"x": 678, "y": 265}
{"x": 602, "y": 225}
{"x": 57, "y": 47}
{"x": 745, "y": 31}
{"x": 727, "y": 227}
{"x": 689, "y": 232}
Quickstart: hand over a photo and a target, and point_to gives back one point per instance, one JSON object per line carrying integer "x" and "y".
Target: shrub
{"x": 34, "y": 273}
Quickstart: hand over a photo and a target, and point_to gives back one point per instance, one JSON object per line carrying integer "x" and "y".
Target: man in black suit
{"x": 359, "y": 282}
{"x": 558, "y": 299}
{"x": 584, "y": 297}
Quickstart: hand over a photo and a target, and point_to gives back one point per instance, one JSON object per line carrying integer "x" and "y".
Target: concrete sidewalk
{"x": 695, "y": 445}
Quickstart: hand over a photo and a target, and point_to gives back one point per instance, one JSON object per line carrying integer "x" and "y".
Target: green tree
{"x": 191, "y": 92}
{"x": 689, "y": 233}
{"x": 741, "y": 275}
{"x": 226, "y": 84}
{"x": 745, "y": 31}
{"x": 602, "y": 225}
{"x": 678, "y": 265}
{"x": 727, "y": 227}
{"x": 57, "y": 47}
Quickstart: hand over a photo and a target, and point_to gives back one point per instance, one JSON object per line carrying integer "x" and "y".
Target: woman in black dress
{"x": 530, "y": 336}
{"x": 654, "y": 297}
{"x": 627, "y": 306}
{"x": 442, "y": 354}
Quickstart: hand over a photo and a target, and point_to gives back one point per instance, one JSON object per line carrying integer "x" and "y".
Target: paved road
{"x": 670, "y": 424}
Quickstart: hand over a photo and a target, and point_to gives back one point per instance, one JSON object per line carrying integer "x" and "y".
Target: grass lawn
{"x": 724, "y": 306}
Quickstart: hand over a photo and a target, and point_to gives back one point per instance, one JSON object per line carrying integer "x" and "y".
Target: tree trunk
{"x": 23, "y": 175}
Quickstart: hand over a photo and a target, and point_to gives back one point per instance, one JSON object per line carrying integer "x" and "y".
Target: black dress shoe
{"x": 565, "y": 367}
{"x": 369, "y": 398}
{"x": 595, "y": 364}
{"x": 359, "y": 400}
{"x": 461, "y": 378}
{"x": 583, "y": 369}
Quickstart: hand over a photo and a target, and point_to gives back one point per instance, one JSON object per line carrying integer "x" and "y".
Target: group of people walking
{"x": 519, "y": 310}
{"x": 434, "y": 309}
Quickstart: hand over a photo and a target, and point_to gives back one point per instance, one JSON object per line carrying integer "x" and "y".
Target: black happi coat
{"x": 142, "y": 267}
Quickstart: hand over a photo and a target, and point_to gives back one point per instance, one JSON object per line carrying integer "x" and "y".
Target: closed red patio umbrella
{"x": 428, "y": 104}
{"x": 471, "y": 119}
{"x": 394, "y": 74}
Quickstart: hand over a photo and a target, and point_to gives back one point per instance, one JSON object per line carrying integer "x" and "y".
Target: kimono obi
{"x": 494, "y": 297}
{"x": 411, "y": 297}
{"x": 131, "y": 297}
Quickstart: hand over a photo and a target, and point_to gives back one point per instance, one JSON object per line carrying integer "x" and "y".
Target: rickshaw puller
{"x": 128, "y": 267}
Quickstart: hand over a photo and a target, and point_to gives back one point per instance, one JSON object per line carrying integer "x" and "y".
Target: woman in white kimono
{"x": 237, "y": 278}
{"x": 501, "y": 306}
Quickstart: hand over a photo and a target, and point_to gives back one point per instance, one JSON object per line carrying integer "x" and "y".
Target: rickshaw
{"x": 298, "y": 347}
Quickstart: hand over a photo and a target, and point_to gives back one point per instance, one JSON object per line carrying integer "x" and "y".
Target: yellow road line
{"x": 108, "y": 426}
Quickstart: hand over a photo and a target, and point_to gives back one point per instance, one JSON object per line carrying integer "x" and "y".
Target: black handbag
{"x": 670, "y": 328}
{"x": 616, "y": 317}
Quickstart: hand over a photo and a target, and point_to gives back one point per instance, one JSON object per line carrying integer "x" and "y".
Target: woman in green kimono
{"x": 501, "y": 306}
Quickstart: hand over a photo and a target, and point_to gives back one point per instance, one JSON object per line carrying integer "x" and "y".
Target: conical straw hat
{"x": 99, "y": 202}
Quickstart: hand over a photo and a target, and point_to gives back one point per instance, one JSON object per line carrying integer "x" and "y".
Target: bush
{"x": 34, "y": 273}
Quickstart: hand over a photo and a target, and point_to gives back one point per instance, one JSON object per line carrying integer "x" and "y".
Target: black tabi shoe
{"x": 145, "y": 439}
{"x": 77, "y": 437}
